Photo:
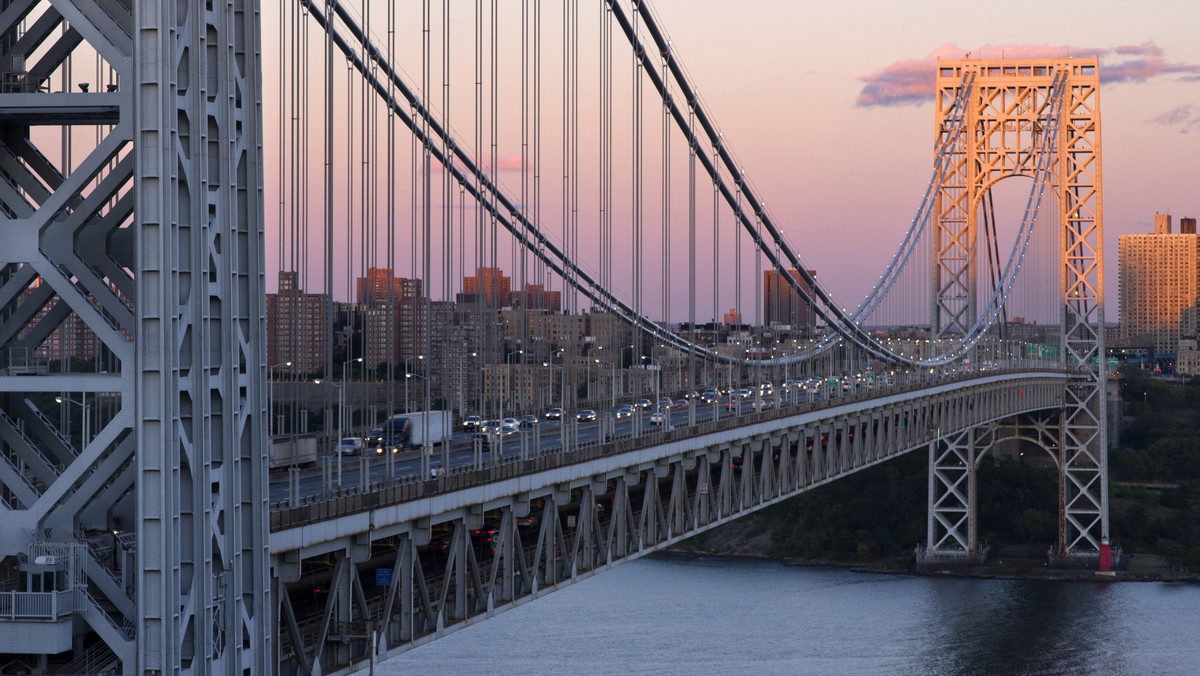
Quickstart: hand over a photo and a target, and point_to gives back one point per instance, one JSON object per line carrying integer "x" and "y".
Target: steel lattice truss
{"x": 131, "y": 213}
{"x": 953, "y": 523}
{"x": 1005, "y": 135}
{"x": 459, "y": 552}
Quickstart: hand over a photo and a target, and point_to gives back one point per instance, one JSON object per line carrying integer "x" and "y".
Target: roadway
{"x": 544, "y": 438}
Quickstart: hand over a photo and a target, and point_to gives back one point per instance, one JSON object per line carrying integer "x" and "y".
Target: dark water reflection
{"x": 685, "y": 616}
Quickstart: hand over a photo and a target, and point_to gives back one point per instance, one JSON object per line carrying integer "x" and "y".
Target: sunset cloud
{"x": 1185, "y": 118}
{"x": 912, "y": 81}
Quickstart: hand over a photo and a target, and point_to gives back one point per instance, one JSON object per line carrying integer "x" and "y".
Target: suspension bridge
{"x": 374, "y": 169}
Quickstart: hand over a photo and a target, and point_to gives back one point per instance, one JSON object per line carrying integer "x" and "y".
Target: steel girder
{"x": 201, "y": 337}
{"x": 138, "y": 226}
{"x": 67, "y": 168}
{"x": 953, "y": 527}
{"x": 1001, "y": 140}
{"x": 460, "y": 556}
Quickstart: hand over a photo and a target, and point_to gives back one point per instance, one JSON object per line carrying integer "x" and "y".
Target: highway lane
{"x": 544, "y": 438}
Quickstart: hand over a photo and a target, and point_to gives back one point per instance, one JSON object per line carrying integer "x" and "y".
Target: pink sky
{"x": 829, "y": 110}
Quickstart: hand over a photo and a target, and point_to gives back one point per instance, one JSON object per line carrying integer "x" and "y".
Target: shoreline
{"x": 989, "y": 571}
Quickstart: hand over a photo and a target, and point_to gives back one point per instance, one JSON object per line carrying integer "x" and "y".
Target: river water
{"x": 671, "y": 615}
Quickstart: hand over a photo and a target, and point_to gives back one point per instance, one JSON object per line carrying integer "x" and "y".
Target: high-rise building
{"x": 381, "y": 342}
{"x": 373, "y": 290}
{"x": 297, "y": 324}
{"x": 783, "y": 305}
{"x": 411, "y": 325}
{"x": 493, "y": 287}
{"x": 536, "y": 297}
{"x": 1187, "y": 357}
{"x": 1159, "y": 278}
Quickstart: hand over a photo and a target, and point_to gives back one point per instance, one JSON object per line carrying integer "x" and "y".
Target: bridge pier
{"x": 952, "y": 531}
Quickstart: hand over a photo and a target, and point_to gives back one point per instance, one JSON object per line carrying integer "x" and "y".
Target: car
{"x": 509, "y": 425}
{"x": 643, "y": 403}
{"x": 528, "y": 420}
{"x": 554, "y": 414}
{"x": 482, "y": 441}
{"x": 764, "y": 404}
{"x": 692, "y": 395}
{"x": 656, "y": 418}
{"x": 491, "y": 426}
{"x": 585, "y": 415}
{"x": 681, "y": 403}
{"x": 375, "y": 438}
{"x": 350, "y": 446}
{"x": 382, "y": 449}
{"x": 624, "y": 412}
{"x": 471, "y": 422}
{"x": 664, "y": 401}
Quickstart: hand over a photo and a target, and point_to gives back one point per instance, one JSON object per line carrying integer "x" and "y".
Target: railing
{"x": 371, "y": 494}
{"x": 54, "y": 466}
{"x": 98, "y": 659}
{"x": 48, "y": 606}
{"x": 25, "y": 479}
{"x": 62, "y": 438}
{"x": 126, "y": 629}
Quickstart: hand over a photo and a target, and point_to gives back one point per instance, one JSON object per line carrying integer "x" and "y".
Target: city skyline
{"x": 815, "y": 123}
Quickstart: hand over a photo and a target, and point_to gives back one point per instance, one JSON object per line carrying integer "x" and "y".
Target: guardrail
{"x": 45, "y": 606}
{"x": 371, "y": 494}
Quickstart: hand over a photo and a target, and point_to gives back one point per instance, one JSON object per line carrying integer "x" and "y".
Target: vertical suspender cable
{"x": 391, "y": 324}
{"x": 365, "y": 209}
{"x": 716, "y": 223}
{"x": 523, "y": 281}
{"x": 666, "y": 203}
{"x": 484, "y": 355}
{"x": 636, "y": 201}
{"x": 427, "y": 216}
{"x": 447, "y": 183}
{"x": 691, "y": 250}
{"x": 329, "y": 192}
{"x": 348, "y": 263}
{"x": 537, "y": 133}
{"x": 494, "y": 122}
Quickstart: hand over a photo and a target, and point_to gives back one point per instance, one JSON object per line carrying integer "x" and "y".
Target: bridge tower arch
{"x": 1004, "y": 134}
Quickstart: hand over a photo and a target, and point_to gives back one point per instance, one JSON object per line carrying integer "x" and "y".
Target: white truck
{"x": 293, "y": 450}
{"x": 414, "y": 429}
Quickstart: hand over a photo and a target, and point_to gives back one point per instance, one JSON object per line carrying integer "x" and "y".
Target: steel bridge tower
{"x": 1005, "y": 133}
{"x": 132, "y": 336}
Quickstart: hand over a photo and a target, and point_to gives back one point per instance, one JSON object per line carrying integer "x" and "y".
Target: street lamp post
{"x": 657, "y": 393}
{"x": 520, "y": 354}
{"x": 589, "y": 377}
{"x": 271, "y": 423}
{"x": 406, "y": 377}
{"x": 345, "y": 367}
{"x": 562, "y": 392}
{"x": 86, "y": 418}
{"x": 341, "y": 407}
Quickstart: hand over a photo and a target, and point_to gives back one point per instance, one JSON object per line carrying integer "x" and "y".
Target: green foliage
{"x": 1161, "y": 447}
{"x": 876, "y": 514}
